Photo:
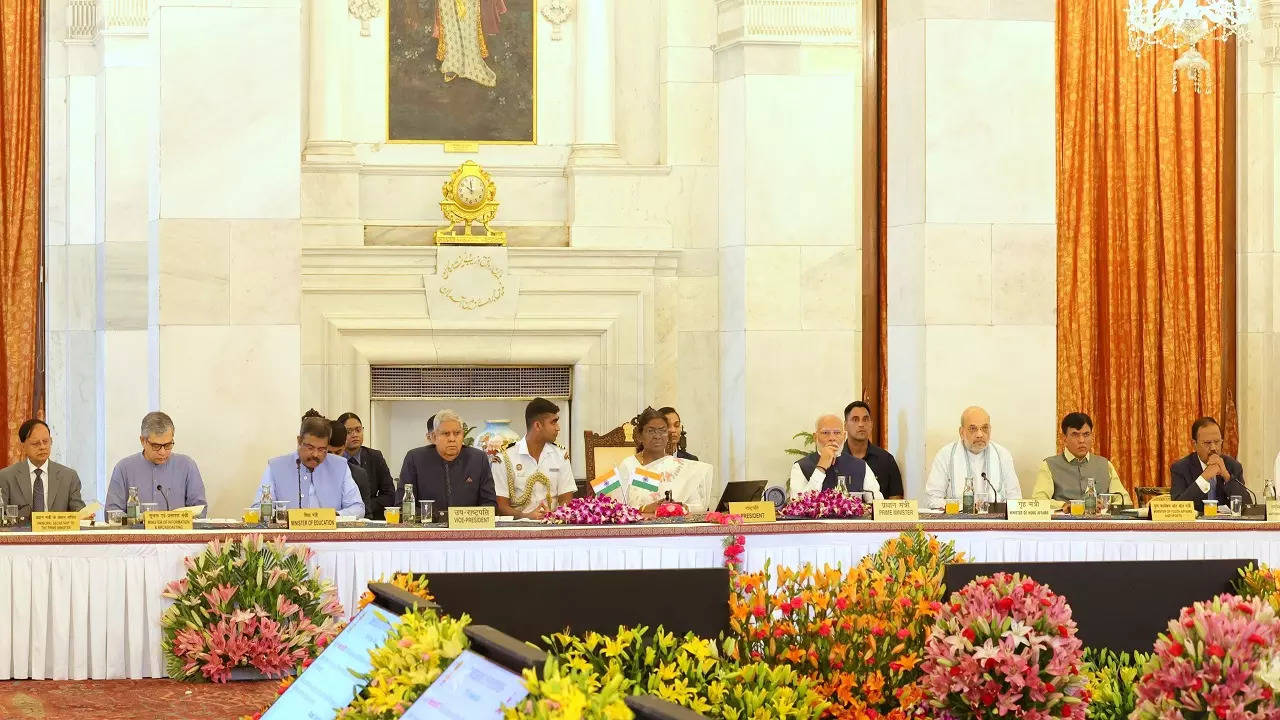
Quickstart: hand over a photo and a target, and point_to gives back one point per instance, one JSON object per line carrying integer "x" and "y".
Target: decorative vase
{"x": 497, "y": 434}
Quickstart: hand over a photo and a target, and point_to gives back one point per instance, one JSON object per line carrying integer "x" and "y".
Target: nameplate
{"x": 461, "y": 146}
{"x": 760, "y": 511}
{"x": 895, "y": 510}
{"x": 1172, "y": 510}
{"x": 471, "y": 518}
{"x": 167, "y": 520}
{"x": 1030, "y": 510}
{"x": 313, "y": 519}
{"x": 55, "y": 522}
{"x": 1273, "y": 511}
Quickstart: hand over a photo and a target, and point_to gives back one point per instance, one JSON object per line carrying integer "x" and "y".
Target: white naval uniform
{"x": 553, "y": 463}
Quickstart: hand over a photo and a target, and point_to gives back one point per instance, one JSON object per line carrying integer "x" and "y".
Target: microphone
{"x": 298, "y": 464}
{"x": 1253, "y": 499}
{"x": 995, "y": 495}
{"x": 165, "y": 495}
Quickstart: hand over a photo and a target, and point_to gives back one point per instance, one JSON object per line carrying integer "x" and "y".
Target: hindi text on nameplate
{"x": 1172, "y": 510}
{"x": 313, "y": 519}
{"x": 167, "y": 520}
{"x": 55, "y": 522}
{"x": 1273, "y": 511}
{"x": 1030, "y": 510}
{"x": 478, "y": 517}
{"x": 760, "y": 511}
{"x": 895, "y": 510}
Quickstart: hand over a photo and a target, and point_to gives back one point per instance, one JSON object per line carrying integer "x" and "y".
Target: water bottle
{"x": 966, "y": 503}
{"x": 842, "y": 484}
{"x": 1270, "y": 489}
{"x": 408, "y": 505}
{"x": 132, "y": 508}
{"x": 1090, "y": 497}
{"x": 266, "y": 507}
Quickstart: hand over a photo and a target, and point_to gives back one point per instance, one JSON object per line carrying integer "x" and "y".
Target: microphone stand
{"x": 298, "y": 464}
{"x": 994, "y": 505}
{"x": 167, "y": 505}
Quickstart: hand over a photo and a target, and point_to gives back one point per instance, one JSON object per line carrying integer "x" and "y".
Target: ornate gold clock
{"x": 470, "y": 196}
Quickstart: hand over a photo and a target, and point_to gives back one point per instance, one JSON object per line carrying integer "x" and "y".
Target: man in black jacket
{"x": 382, "y": 490}
{"x": 448, "y": 472}
{"x": 1206, "y": 474}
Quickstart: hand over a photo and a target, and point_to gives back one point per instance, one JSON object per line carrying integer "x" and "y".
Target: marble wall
{"x": 971, "y": 241}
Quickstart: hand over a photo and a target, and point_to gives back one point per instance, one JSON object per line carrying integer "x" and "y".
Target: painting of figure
{"x": 461, "y": 70}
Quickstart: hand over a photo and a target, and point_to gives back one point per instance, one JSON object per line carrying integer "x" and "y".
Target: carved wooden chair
{"x": 605, "y": 451}
{"x": 1143, "y": 494}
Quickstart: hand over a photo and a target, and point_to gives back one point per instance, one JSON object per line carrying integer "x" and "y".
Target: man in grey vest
{"x": 1063, "y": 477}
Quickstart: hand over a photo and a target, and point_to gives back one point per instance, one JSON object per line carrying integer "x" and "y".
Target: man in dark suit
{"x": 1206, "y": 474}
{"x": 448, "y": 472}
{"x": 372, "y": 462}
{"x": 35, "y": 483}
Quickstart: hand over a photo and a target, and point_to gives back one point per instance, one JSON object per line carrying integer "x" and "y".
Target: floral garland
{"x": 734, "y": 545}
{"x": 247, "y": 602}
{"x": 825, "y": 504}
{"x": 595, "y": 510}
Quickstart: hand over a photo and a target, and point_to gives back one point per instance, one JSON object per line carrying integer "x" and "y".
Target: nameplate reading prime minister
{"x": 167, "y": 520}
{"x": 479, "y": 517}
{"x": 760, "y": 511}
{"x": 313, "y": 519}
{"x": 1030, "y": 510}
{"x": 55, "y": 522}
{"x": 1273, "y": 511}
{"x": 1172, "y": 510}
{"x": 895, "y": 510}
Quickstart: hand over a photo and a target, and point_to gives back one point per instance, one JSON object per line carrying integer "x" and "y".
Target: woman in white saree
{"x": 646, "y": 477}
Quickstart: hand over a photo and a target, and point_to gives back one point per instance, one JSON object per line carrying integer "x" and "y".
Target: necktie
{"x": 37, "y": 493}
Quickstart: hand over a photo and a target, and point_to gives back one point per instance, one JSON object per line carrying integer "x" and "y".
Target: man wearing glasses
{"x": 169, "y": 479}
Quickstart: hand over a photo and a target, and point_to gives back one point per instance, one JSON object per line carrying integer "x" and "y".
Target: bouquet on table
{"x": 247, "y": 602}
{"x": 825, "y": 504}
{"x": 595, "y": 510}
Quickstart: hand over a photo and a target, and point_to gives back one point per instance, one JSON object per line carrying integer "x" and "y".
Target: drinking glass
{"x": 280, "y": 511}
{"x": 1237, "y": 504}
{"x": 11, "y": 514}
{"x": 426, "y": 509}
{"x": 1077, "y": 507}
{"x": 115, "y": 518}
{"x": 1211, "y": 508}
{"x": 952, "y": 506}
{"x": 252, "y": 515}
{"x": 391, "y": 515}
{"x": 144, "y": 508}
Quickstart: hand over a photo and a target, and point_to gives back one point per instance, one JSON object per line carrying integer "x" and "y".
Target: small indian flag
{"x": 646, "y": 480}
{"x": 606, "y": 483}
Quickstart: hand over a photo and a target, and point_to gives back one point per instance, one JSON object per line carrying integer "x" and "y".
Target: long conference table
{"x": 88, "y": 604}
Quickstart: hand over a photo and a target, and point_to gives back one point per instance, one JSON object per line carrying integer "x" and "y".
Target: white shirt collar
{"x": 522, "y": 446}
{"x": 44, "y": 469}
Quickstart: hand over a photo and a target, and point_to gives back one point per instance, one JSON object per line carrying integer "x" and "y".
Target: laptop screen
{"x": 330, "y": 683}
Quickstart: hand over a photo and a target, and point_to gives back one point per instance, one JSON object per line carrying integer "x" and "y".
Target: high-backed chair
{"x": 605, "y": 451}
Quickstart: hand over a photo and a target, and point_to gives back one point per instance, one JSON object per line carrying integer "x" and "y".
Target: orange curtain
{"x": 21, "y": 42}
{"x": 1144, "y": 229}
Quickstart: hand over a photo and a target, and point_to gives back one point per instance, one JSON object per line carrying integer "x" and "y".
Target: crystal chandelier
{"x": 1180, "y": 24}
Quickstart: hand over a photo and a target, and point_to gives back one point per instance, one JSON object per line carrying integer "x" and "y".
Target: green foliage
{"x": 808, "y": 443}
{"x": 1111, "y": 679}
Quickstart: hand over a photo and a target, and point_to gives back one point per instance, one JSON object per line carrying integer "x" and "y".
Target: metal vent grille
{"x": 399, "y": 382}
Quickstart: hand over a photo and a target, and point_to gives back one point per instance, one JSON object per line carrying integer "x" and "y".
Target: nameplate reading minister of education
{"x": 313, "y": 519}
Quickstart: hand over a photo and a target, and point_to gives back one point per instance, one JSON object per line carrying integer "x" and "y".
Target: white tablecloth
{"x": 75, "y": 611}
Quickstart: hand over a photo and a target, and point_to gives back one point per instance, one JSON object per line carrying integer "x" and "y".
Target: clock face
{"x": 470, "y": 191}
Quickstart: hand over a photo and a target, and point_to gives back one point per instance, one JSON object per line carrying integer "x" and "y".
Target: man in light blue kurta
{"x": 164, "y": 477}
{"x": 325, "y": 479}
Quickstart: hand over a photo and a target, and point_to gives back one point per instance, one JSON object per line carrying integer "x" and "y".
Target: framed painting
{"x": 462, "y": 71}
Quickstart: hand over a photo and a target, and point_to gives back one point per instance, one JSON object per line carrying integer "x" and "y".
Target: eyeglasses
{"x": 156, "y": 447}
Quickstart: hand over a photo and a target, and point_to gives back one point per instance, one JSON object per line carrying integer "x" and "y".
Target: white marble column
{"x": 328, "y": 54}
{"x": 595, "y": 136}
{"x": 1258, "y": 246}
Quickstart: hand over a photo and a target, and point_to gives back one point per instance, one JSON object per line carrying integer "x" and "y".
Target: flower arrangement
{"x": 415, "y": 653}
{"x": 1218, "y": 658}
{"x": 246, "y": 602}
{"x": 564, "y": 694}
{"x": 858, "y": 634}
{"x": 825, "y": 504}
{"x": 689, "y": 671}
{"x": 416, "y": 584}
{"x": 1005, "y": 644}
{"x": 1111, "y": 677}
{"x": 734, "y": 545}
{"x": 1261, "y": 582}
{"x": 594, "y": 510}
